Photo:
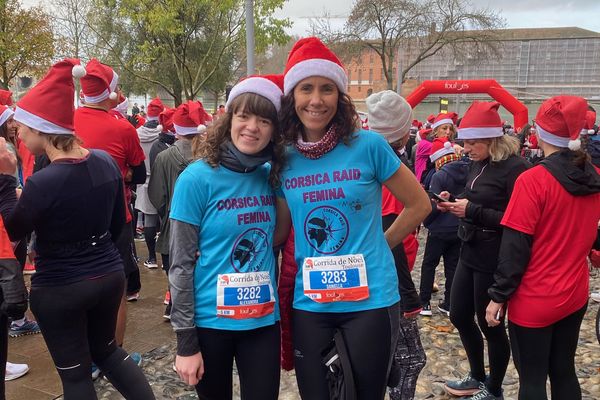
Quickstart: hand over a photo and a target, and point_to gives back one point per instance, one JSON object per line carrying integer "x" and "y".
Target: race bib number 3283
{"x": 335, "y": 278}
{"x": 245, "y": 295}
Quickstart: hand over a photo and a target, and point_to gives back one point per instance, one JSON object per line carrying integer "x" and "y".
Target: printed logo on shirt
{"x": 326, "y": 229}
{"x": 250, "y": 250}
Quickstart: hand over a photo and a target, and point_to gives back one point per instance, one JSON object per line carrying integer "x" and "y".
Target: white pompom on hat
{"x": 99, "y": 83}
{"x": 481, "y": 121}
{"x": 48, "y": 107}
{"x": 190, "y": 119}
{"x": 389, "y": 114}
{"x": 440, "y": 148}
{"x": 267, "y": 86}
{"x": 310, "y": 57}
{"x": 560, "y": 119}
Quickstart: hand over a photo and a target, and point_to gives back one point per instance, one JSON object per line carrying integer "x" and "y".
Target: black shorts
{"x": 125, "y": 245}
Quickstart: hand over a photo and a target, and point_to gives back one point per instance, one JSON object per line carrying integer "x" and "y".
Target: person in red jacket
{"x": 100, "y": 130}
{"x": 543, "y": 273}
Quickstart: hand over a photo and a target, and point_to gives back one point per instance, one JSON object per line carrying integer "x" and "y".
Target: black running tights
{"x": 78, "y": 324}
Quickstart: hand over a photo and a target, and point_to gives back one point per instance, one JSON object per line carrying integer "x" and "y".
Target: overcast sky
{"x": 517, "y": 13}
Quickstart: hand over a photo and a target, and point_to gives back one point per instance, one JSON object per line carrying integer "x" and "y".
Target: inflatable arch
{"x": 489, "y": 86}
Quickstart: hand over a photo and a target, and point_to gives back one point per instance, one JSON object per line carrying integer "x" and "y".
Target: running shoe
{"x": 595, "y": 296}
{"x": 483, "y": 394}
{"x": 467, "y": 386}
{"x": 138, "y": 237}
{"x": 27, "y": 328}
{"x": 95, "y": 372}
{"x": 137, "y": 358}
{"x": 167, "y": 313}
{"x": 426, "y": 311}
{"x": 14, "y": 371}
{"x": 29, "y": 269}
{"x": 167, "y": 299}
{"x": 133, "y": 296}
{"x": 151, "y": 264}
{"x": 444, "y": 308}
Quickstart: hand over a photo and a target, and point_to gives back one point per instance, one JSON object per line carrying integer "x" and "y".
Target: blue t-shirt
{"x": 335, "y": 203}
{"x": 235, "y": 213}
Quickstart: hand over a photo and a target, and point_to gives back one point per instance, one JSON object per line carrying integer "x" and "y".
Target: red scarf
{"x": 318, "y": 149}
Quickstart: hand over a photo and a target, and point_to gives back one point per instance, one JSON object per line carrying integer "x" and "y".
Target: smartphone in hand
{"x": 437, "y": 197}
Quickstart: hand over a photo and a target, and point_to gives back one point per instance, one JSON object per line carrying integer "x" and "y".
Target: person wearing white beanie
{"x": 391, "y": 116}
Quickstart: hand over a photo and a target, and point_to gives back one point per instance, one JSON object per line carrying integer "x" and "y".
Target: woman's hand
{"x": 494, "y": 313}
{"x": 190, "y": 369}
{"x": 458, "y": 207}
{"x": 8, "y": 161}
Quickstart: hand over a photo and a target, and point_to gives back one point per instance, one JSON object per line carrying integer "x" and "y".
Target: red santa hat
{"x": 310, "y": 57}
{"x": 444, "y": 118}
{"x": 6, "y": 98}
{"x": 190, "y": 118}
{"x": 154, "y": 109}
{"x": 423, "y": 133}
{"x": 48, "y": 106}
{"x": 99, "y": 83}
{"x": 559, "y": 121}
{"x": 267, "y": 86}
{"x": 440, "y": 148}
{"x": 590, "y": 121}
{"x": 5, "y": 114}
{"x": 481, "y": 121}
{"x": 431, "y": 118}
{"x": 416, "y": 124}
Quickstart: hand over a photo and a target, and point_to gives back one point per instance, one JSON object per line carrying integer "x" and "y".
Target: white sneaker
{"x": 595, "y": 296}
{"x": 14, "y": 371}
{"x": 150, "y": 264}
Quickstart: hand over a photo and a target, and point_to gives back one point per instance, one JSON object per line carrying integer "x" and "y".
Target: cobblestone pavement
{"x": 446, "y": 359}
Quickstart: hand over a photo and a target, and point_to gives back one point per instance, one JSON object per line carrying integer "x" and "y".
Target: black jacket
{"x": 452, "y": 177}
{"x": 488, "y": 190}
{"x": 164, "y": 142}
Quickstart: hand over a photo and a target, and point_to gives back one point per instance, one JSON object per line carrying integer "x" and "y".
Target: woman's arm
{"x": 284, "y": 222}
{"x": 404, "y": 186}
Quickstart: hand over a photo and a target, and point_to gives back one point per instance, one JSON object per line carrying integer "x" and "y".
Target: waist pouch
{"x": 339, "y": 370}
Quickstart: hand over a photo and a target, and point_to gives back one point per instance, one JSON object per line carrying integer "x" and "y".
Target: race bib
{"x": 245, "y": 295}
{"x": 335, "y": 278}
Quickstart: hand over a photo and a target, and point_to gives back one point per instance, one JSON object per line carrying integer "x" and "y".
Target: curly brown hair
{"x": 207, "y": 147}
{"x": 346, "y": 119}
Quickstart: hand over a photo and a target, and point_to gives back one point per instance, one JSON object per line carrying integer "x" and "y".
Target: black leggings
{"x": 78, "y": 324}
{"x": 370, "y": 338}
{"x": 549, "y": 351}
{"x": 257, "y": 355}
{"x": 438, "y": 245}
{"x": 469, "y": 298}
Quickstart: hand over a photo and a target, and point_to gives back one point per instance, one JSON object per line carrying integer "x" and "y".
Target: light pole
{"x": 249, "y": 37}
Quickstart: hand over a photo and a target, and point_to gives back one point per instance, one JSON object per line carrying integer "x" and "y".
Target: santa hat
{"x": 6, "y": 98}
{"x": 48, "y": 106}
{"x": 267, "y": 86}
{"x": 154, "y": 109}
{"x": 165, "y": 121}
{"x": 431, "y": 118}
{"x": 440, "y": 148}
{"x": 481, "y": 121}
{"x": 559, "y": 121}
{"x": 190, "y": 118}
{"x": 423, "y": 133}
{"x": 99, "y": 83}
{"x": 389, "y": 114}
{"x": 5, "y": 114}
{"x": 310, "y": 57}
{"x": 416, "y": 124}
{"x": 444, "y": 118}
{"x": 590, "y": 121}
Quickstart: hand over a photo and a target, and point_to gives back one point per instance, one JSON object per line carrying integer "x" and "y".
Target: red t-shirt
{"x": 564, "y": 227}
{"x": 391, "y": 205}
{"x": 100, "y": 130}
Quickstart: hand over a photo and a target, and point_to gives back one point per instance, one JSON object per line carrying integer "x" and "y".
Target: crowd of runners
{"x": 287, "y": 227}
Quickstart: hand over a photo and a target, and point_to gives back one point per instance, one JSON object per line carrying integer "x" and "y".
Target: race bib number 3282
{"x": 335, "y": 278}
{"x": 245, "y": 295}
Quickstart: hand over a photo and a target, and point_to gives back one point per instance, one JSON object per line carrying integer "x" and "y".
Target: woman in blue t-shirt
{"x": 332, "y": 181}
{"x": 224, "y": 301}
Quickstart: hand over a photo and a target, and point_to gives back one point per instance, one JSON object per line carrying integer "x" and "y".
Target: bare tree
{"x": 71, "y": 27}
{"x": 422, "y": 28}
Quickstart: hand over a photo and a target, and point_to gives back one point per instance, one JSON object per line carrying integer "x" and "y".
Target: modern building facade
{"x": 533, "y": 64}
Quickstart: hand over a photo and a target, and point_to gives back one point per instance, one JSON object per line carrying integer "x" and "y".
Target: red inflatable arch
{"x": 489, "y": 86}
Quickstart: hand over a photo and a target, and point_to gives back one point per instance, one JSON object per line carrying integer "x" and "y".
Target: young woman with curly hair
{"x": 224, "y": 301}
